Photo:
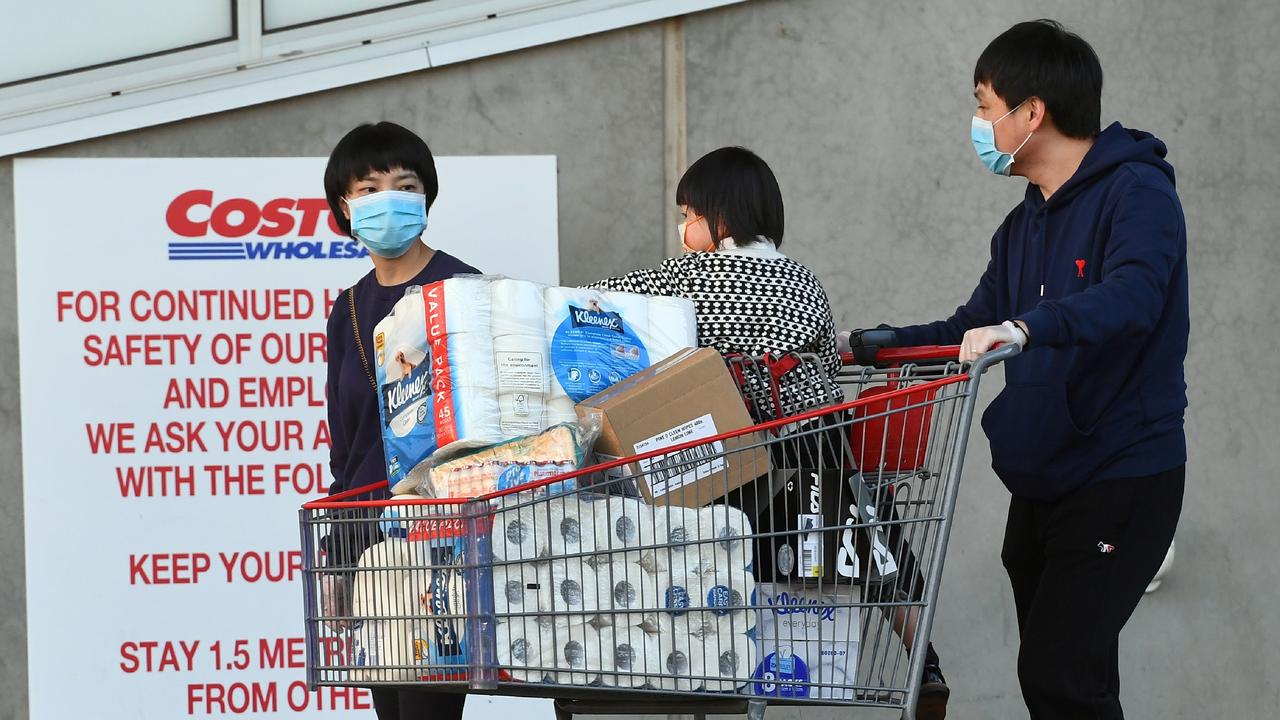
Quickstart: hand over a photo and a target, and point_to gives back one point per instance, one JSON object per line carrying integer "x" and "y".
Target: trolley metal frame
{"x": 924, "y": 391}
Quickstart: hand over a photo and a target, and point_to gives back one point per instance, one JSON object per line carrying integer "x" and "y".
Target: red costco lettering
{"x": 194, "y": 213}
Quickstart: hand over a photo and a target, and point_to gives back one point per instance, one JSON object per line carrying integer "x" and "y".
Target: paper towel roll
{"x": 467, "y": 306}
{"x": 517, "y": 308}
{"x": 519, "y": 592}
{"x": 519, "y": 649}
{"x": 731, "y": 530}
{"x": 723, "y": 663}
{"x": 672, "y": 327}
{"x": 520, "y": 363}
{"x": 382, "y": 651}
{"x": 632, "y": 657}
{"x": 518, "y": 536}
{"x": 576, "y": 593}
{"x": 571, "y": 522}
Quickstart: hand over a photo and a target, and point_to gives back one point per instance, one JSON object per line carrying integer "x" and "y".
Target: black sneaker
{"x": 934, "y": 694}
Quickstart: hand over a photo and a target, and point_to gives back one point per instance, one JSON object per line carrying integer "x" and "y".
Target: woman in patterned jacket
{"x": 752, "y": 300}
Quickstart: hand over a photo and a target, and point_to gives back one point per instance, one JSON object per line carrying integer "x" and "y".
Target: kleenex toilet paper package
{"x": 473, "y": 361}
{"x": 807, "y": 642}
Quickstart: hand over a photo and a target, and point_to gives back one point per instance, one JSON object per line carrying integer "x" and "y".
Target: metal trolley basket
{"x": 806, "y": 572}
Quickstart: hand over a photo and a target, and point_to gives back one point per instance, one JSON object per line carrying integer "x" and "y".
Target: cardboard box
{"x": 686, "y": 397}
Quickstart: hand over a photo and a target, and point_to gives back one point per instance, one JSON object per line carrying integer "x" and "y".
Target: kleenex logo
{"x": 787, "y": 604}
{"x": 406, "y": 390}
{"x": 595, "y": 317}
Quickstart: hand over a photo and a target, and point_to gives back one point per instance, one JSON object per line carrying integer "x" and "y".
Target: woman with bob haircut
{"x": 381, "y": 184}
{"x": 750, "y": 299}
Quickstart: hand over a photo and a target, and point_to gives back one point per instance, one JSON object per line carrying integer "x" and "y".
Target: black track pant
{"x": 398, "y": 704}
{"x": 1079, "y": 566}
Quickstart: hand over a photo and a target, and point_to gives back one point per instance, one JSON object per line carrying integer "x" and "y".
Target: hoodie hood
{"x": 1114, "y": 146}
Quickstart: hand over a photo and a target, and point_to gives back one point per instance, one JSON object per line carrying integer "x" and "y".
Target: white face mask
{"x": 680, "y": 234}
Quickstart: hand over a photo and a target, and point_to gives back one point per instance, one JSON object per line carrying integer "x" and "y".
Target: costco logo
{"x": 241, "y": 229}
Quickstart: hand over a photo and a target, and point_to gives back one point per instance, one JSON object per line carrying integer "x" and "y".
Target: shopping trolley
{"x": 810, "y": 578}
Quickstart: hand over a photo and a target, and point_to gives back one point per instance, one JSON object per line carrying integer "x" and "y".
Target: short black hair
{"x": 379, "y": 147}
{"x": 1043, "y": 59}
{"x": 736, "y": 192}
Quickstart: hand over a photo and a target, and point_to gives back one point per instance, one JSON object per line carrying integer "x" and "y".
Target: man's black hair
{"x": 1043, "y": 59}
{"x": 736, "y": 192}
{"x": 379, "y": 147}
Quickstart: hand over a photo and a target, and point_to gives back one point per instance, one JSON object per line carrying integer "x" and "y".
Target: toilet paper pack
{"x": 632, "y": 657}
{"x": 472, "y": 361}
{"x": 439, "y": 587}
{"x": 520, "y": 651}
{"x": 723, "y": 663}
{"x": 435, "y": 389}
{"x": 807, "y": 642}
{"x": 593, "y": 344}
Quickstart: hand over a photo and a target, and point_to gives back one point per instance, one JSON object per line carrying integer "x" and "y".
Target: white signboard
{"x": 172, "y": 331}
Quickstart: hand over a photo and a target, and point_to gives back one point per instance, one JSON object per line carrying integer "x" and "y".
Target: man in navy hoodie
{"x": 1089, "y": 275}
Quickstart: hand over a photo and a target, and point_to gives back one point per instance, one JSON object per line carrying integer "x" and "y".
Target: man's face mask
{"x": 983, "y": 134}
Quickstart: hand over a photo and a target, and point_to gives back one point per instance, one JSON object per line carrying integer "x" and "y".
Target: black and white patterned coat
{"x": 750, "y": 300}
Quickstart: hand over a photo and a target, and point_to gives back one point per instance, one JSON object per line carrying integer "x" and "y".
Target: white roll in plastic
{"x": 380, "y": 591}
{"x": 579, "y": 652}
{"x": 560, "y": 409}
{"x": 678, "y": 592}
{"x": 676, "y": 670}
{"x": 731, "y": 530}
{"x": 518, "y": 536}
{"x": 672, "y": 327}
{"x": 674, "y": 526}
{"x": 576, "y": 593}
{"x": 471, "y": 363}
{"x": 467, "y": 306}
{"x": 723, "y": 663}
{"x": 517, "y": 308}
{"x": 631, "y": 589}
{"x": 632, "y": 658}
{"x": 519, "y": 589}
{"x": 725, "y": 599}
{"x": 571, "y": 525}
{"x": 519, "y": 649}
{"x": 635, "y": 309}
{"x": 628, "y": 524}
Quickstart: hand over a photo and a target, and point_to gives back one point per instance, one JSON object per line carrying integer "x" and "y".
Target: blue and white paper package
{"x": 473, "y": 361}
{"x": 807, "y": 642}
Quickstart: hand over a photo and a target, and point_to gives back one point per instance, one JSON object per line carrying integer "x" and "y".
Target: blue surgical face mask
{"x": 983, "y": 133}
{"x": 388, "y": 222}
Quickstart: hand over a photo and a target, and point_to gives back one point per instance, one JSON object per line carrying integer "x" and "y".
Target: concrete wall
{"x": 863, "y": 110}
